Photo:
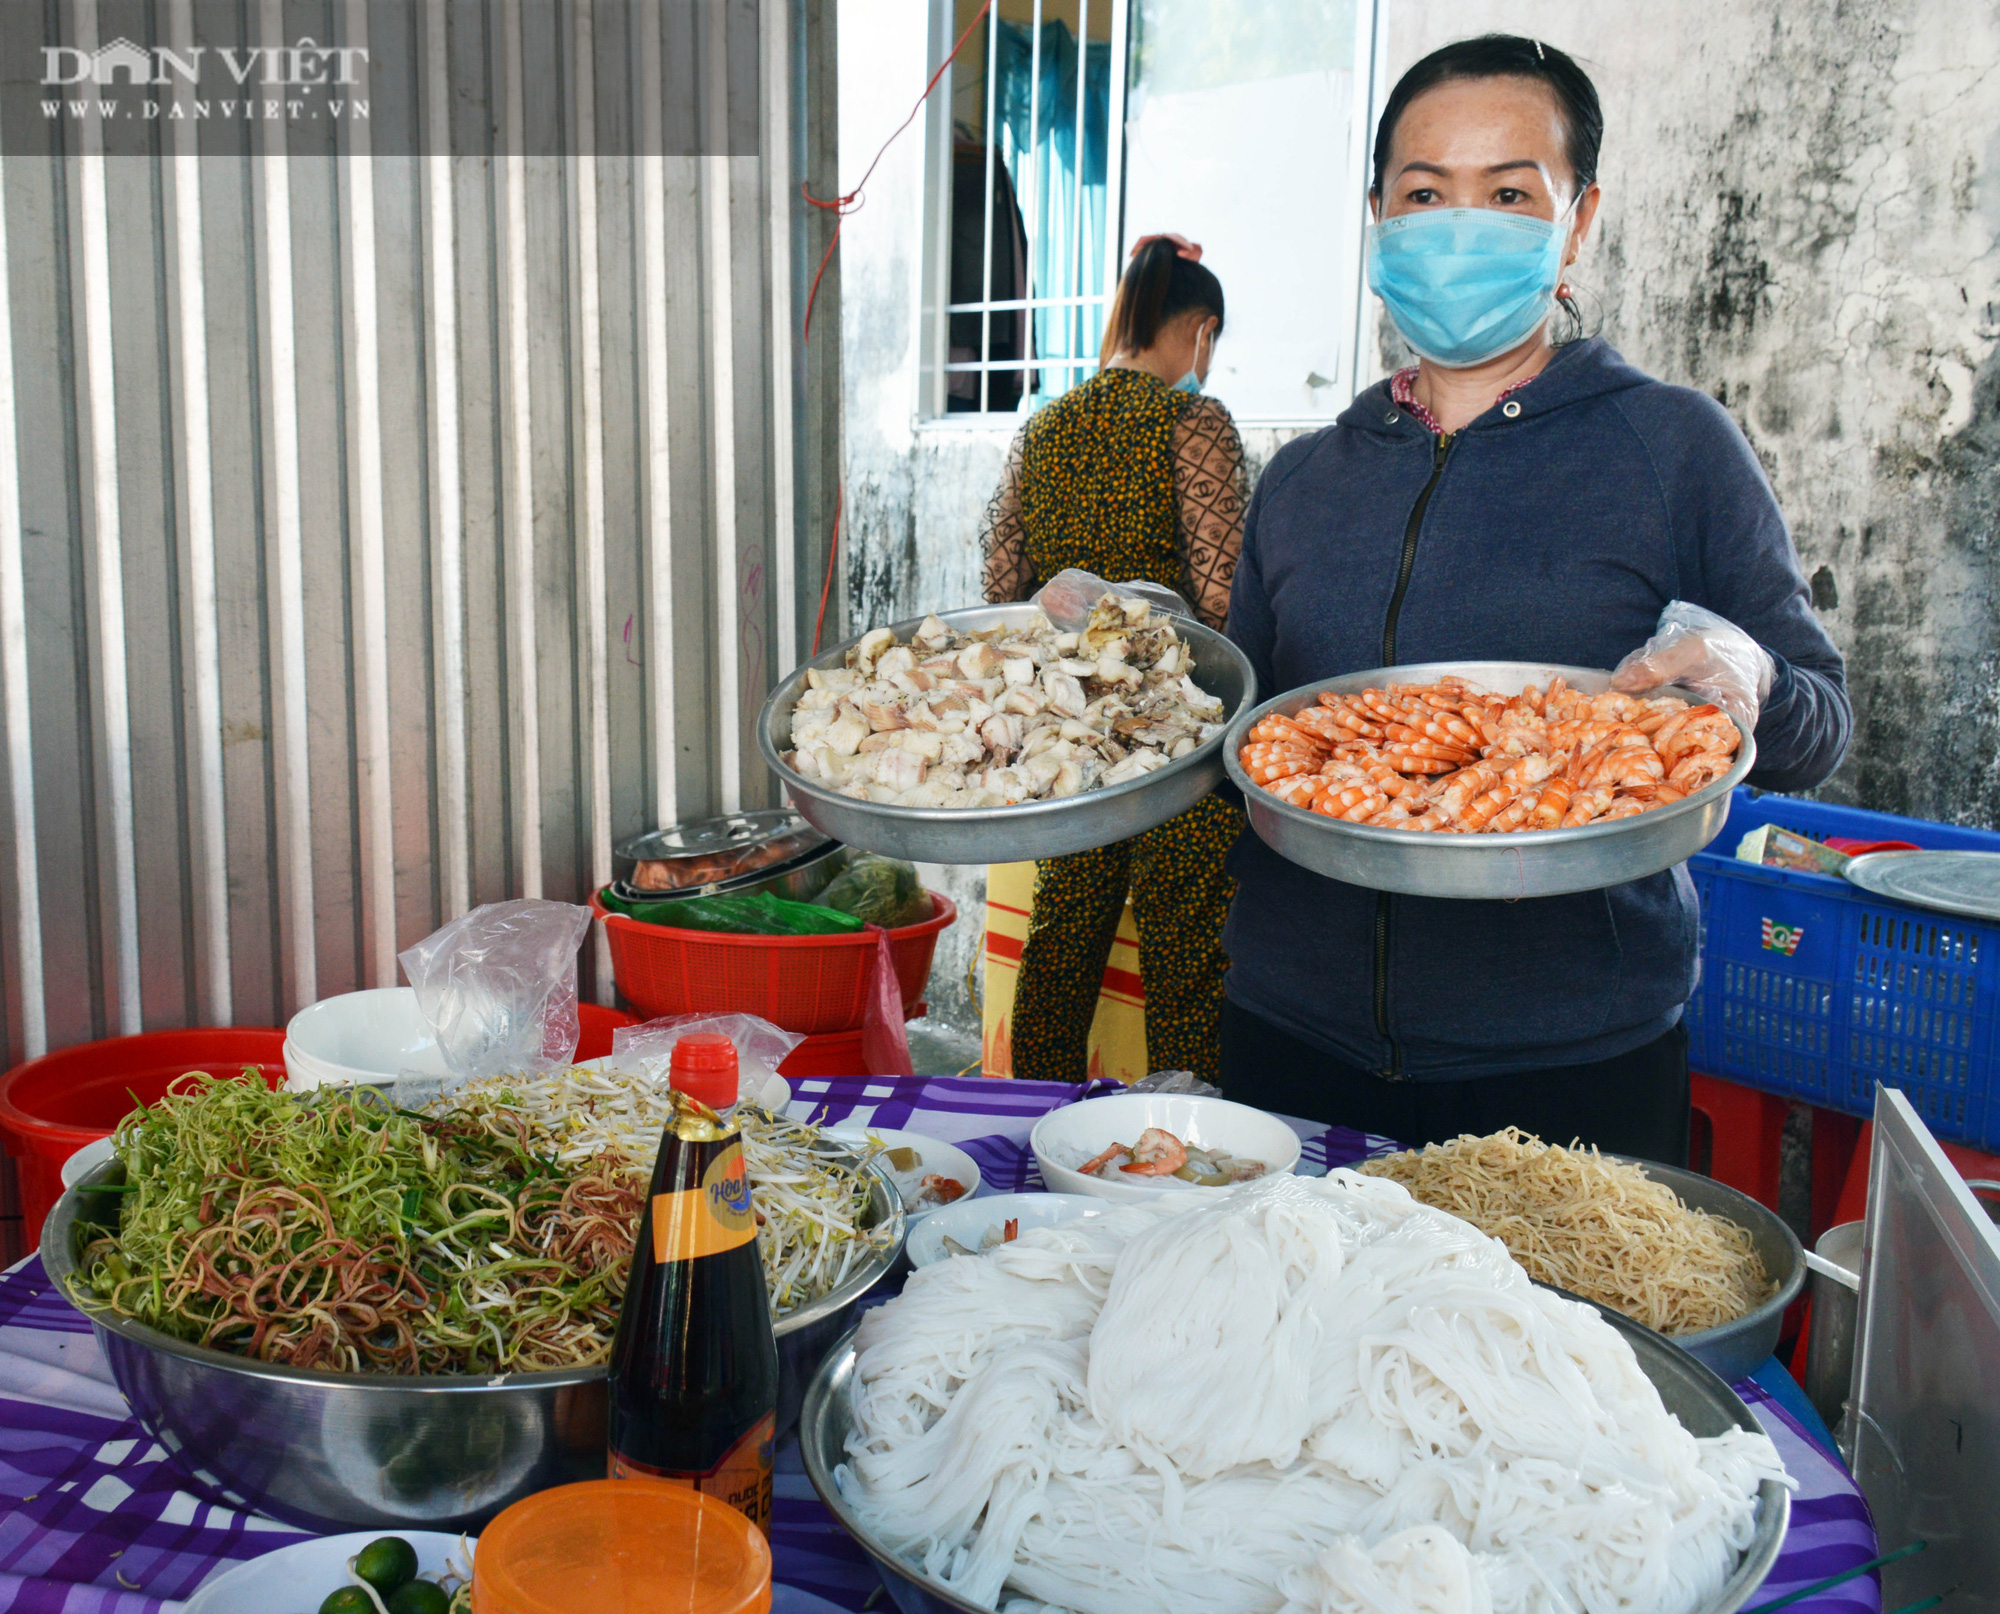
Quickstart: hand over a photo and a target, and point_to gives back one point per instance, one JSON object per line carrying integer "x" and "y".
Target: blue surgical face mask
{"x": 1466, "y": 284}
{"x": 1191, "y": 382}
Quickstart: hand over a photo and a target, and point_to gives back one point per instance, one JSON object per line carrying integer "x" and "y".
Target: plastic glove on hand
{"x": 1699, "y": 650}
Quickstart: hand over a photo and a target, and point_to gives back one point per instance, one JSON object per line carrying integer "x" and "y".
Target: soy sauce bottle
{"x": 694, "y": 1366}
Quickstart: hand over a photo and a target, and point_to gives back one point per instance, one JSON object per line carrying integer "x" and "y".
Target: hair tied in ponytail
{"x": 1183, "y": 247}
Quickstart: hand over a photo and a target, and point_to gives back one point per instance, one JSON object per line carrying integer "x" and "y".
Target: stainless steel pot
{"x": 1034, "y": 829}
{"x": 1533, "y": 863}
{"x": 1703, "y": 1403}
{"x": 351, "y": 1451}
{"x": 1836, "y": 1309}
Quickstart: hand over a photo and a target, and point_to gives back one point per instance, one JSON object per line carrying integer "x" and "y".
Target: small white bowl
{"x": 937, "y": 1158}
{"x": 370, "y": 1036}
{"x": 297, "y": 1579}
{"x": 1067, "y": 1137}
{"x": 968, "y": 1219}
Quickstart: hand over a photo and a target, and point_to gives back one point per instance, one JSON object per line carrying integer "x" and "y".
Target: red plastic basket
{"x": 810, "y": 984}
{"x": 52, "y": 1106}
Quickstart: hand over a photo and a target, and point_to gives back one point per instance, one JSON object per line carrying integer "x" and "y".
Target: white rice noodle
{"x": 1308, "y": 1396}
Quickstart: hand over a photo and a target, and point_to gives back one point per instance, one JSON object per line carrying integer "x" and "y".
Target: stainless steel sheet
{"x": 1925, "y": 1418}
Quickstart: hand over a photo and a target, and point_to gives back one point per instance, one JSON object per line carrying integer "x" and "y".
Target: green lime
{"x": 386, "y": 1564}
{"x": 419, "y": 1597}
{"x": 348, "y": 1600}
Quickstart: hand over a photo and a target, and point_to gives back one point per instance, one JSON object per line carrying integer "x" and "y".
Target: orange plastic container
{"x": 621, "y": 1547}
{"x": 52, "y": 1106}
{"x": 810, "y": 984}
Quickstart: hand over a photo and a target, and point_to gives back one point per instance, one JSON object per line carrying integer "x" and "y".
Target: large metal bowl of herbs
{"x": 349, "y": 1451}
{"x": 1031, "y": 829}
{"x": 1704, "y": 1405}
{"x": 1524, "y": 863}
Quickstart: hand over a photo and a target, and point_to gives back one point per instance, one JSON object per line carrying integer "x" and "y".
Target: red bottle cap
{"x": 704, "y": 1068}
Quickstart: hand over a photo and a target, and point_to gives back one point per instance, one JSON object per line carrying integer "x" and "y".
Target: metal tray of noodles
{"x": 1703, "y": 1403}
{"x": 1034, "y": 829}
{"x": 1526, "y": 863}
{"x": 352, "y": 1451}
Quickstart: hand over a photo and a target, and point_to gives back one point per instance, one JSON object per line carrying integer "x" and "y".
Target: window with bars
{"x": 1023, "y": 213}
{"x": 1066, "y": 128}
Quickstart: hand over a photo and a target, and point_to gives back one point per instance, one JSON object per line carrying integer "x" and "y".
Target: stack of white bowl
{"x": 372, "y": 1036}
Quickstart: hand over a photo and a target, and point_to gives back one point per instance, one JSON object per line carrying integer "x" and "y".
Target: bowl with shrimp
{"x": 1138, "y": 1145}
{"x": 1486, "y": 779}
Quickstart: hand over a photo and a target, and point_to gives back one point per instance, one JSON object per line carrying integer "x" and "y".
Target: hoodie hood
{"x": 1579, "y": 371}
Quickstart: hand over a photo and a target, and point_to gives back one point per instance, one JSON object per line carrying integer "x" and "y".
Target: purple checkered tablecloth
{"x": 96, "y": 1519}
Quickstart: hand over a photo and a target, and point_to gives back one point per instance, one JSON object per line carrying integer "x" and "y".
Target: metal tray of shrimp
{"x": 1522, "y": 863}
{"x": 1032, "y": 829}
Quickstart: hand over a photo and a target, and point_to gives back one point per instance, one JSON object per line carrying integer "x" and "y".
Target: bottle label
{"x": 694, "y": 1222}
{"x": 742, "y": 1478}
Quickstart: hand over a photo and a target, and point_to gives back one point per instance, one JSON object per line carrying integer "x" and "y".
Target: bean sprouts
{"x": 810, "y": 1195}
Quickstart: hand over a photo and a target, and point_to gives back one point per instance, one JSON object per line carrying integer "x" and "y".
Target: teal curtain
{"x": 1068, "y": 245}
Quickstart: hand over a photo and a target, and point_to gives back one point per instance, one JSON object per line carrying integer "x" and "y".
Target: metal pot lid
{"x": 1951, "y": 882}
{"x": 733, "y": 832}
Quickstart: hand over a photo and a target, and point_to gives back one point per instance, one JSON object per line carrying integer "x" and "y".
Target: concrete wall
{"x": 1800, "y": 218}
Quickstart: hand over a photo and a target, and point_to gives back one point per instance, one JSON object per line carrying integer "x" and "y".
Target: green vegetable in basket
{"x": 761, "y": 914}
{"x": 881, "y": 891}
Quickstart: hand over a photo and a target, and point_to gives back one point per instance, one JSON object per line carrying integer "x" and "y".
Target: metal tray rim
{"x": 1863, "y": 872}
{"x": 1752, "y": 1565}
{"x": 1305, "y": 694}
{"x": 782, "y": 698}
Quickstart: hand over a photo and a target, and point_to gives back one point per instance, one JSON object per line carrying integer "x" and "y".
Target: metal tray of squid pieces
{"x": 1033, "y": 829}
{"x": 1526, "y": 863}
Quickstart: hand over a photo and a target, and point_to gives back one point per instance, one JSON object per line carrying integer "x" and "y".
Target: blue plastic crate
{"x": 1814, "y": 988}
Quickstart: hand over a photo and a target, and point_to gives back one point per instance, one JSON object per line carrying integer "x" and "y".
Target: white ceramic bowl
{"x": 296, "y": 1579}
{"x": 937, "y": 1157}
{"x": 367, "y": 1036}
{"x": 967, "y": 1220}
{"x": 1066, "y": 1138}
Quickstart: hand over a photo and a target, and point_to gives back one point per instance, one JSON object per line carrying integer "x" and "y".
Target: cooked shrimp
{"x": 1157, "y": 1154}
{"x": 1453, "y": 758}
{"x": 1090, "y": 1168}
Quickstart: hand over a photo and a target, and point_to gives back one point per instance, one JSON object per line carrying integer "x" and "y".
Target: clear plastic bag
{"x": 1175, "y": 1081}
{"x": 648, "y": 1050}
{"x": 1068, "y": 598}
{"x": 885, "y": 1040}
{"x": 498, "y": 987}
{"x": 1709, "y": 654}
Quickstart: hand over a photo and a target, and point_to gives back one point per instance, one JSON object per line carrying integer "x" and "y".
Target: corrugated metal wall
{"x": 382, "y": 534}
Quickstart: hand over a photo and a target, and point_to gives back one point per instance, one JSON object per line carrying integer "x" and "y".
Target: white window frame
{"x": 934, "y": 306}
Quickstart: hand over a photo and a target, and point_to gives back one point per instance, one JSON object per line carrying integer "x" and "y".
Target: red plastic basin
{"x": 52, "y": 1106}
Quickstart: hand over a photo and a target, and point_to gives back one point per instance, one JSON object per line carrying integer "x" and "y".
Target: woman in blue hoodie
{"x": 1511, "y": 497}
